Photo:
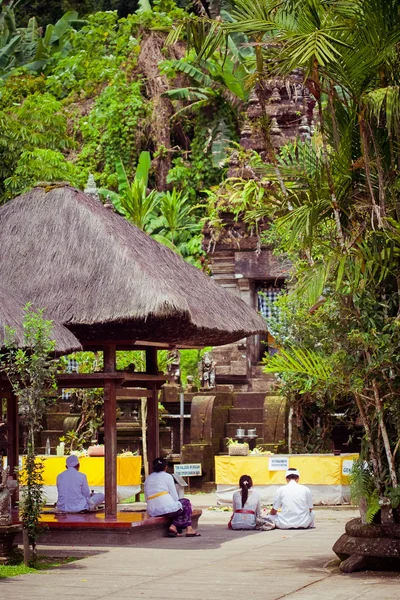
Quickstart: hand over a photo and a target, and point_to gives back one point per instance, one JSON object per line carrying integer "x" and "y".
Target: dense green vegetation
{"x": 91, "y": 91}
{"x": 149, "y": 99}
{"x": 334, "y": 203}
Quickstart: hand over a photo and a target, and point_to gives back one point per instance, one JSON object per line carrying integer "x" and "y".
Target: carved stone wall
{"x": 237, "y": 261}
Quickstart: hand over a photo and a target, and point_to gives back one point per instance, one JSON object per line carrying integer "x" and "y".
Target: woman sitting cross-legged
{"x": 162, "y": 500}
{"x": 246, "y": 505}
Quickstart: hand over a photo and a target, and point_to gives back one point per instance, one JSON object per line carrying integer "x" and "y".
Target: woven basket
{"x": 238, "y": 449}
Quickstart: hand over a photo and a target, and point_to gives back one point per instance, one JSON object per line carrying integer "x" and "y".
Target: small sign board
{"x": 347, "y": 466}
{"x": 278, "y": 463}
{"x": 188, "y": 470}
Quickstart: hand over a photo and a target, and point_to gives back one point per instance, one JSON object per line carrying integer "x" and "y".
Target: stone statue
{"x": 5, "y": 497}
{"x": 207, "y": 371}
{"x": 174, "y": 366}
{"x": 91, "y": 188}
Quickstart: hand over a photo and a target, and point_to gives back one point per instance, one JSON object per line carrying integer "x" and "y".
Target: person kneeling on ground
{"x": 295, "y": 500}
{"x": 162, "y": 500}
{"x": 73, "y": 489}
{"x": 246, "y": 505}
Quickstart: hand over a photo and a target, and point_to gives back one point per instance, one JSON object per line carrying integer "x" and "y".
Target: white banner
{"x": 278, "y": 463}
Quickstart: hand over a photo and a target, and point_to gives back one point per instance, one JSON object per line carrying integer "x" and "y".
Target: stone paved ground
{"x": 222, "y": 564}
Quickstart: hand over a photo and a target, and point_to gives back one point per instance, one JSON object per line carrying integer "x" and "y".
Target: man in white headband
{"x": 295, "y": 500}
{"x": 73, "y": 489}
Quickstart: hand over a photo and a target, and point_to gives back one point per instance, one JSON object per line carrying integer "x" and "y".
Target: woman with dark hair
{"x": 162, "y": 500}
{"x": 246, "y": 505}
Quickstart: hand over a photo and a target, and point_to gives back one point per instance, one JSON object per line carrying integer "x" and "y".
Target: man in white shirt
{"x": 296, "y": 503}
{"x": 73, "y": 489}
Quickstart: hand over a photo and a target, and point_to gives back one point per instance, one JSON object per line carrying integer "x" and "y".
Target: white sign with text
{"x": 188, "y": 470}
{"x": 278, "y": 463}
{"x": 347, "y": 466}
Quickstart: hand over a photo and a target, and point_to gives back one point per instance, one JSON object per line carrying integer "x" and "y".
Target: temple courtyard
{"x": 222, "y": 564}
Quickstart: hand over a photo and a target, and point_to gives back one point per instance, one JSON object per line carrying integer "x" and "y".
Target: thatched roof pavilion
{"x": 104, "y": 278}
{"x": 114, "y": 288}
{"x": 12, "y": 316}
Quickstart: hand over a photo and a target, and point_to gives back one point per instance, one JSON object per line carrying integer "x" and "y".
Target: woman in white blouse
{"x": 162, "y": 500}
{"x": 246, "y": 505}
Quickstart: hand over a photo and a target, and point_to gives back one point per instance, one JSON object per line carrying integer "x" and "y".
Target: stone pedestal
{"x": 8, "y": 534}
{"x": 375, "y": 547}
{"x": 274, "y": 430}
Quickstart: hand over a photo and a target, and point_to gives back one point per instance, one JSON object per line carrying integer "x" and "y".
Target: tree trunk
{"x": 27, "y": 549}
{"x": 364, "y": 145}
{"x": 374, "y": 456}
{"x": 385, "y": 436}
{"x": 149, "y": 58}
{"x": 332, "y": 193}
{"x": 143, "y": 414}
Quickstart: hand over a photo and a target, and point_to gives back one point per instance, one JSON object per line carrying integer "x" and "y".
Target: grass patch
{"x": 132, "y": 499}
{"x": 42, "y": 564}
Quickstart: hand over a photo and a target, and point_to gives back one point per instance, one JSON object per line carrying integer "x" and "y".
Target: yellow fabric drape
{"x": 314, "y": 469}
{"x": 128, "y": 469}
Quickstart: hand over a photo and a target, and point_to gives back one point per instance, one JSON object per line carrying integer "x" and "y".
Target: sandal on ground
{"x": 193, "y": 534}
{"x": 172, "y": 534}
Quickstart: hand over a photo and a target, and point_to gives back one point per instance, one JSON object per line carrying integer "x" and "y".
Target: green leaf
{"x": 189, "y": 94}
{"x": 220, "y": 144}
{"x": 7, "y": 51}
{"x": 144, "y": 6}
{"x": 143, "y": 168}
{"x": 299, "y": 361}
{"x": 123, "y": 181}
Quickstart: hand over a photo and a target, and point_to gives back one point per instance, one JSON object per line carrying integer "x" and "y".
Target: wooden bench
{"x": 95, "y": 529}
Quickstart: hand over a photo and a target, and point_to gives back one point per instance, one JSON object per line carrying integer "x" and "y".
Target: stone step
{"x": 257, "y": 371}
{"x": 246, "y": 415}
{"x": 262, "y": 385}
{"x": 230, "y": 428}
{"x": 55, "y": 420}
{"x": 249, "y": 400}
{"x": 53, "y": 435}
{"x": 64, "y": 407}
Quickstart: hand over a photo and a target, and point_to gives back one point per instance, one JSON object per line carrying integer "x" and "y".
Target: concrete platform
{"x": 129, "y": 528}
{"x": 222, "y": 564}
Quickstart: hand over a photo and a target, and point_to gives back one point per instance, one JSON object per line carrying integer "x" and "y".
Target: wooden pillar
{"x": 153, "y": 435}
{"x": 151, "y": 360}
{"x": 13, "y": 433}
{"x": 110, "y": 433}
{"x": 13, "y": 440}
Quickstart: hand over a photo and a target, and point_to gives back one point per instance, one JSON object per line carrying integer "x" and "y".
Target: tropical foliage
{"x": 337, "y": 212}
{"x": 85, "y": 95}
{"x": 151, "y": 103}
{"x": 31, "y": 371}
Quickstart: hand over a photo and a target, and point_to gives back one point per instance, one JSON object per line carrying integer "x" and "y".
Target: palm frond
{"x": 299, "y": 361}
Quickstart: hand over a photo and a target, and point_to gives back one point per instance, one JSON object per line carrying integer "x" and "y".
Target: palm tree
{"x": 339, "y": 203}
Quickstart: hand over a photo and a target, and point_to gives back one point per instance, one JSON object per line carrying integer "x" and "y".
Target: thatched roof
{"x": 106, "y": 279}
{"x": 12, "y": 316}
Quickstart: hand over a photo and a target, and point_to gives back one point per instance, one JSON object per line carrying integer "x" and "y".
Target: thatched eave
{"x": 94, "y": 271}
{"x": 11, "y": 325}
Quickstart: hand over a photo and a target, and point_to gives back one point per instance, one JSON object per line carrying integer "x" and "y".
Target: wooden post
{"x": 153, "y": 435}
{"x": 110, "y": 433}
{"x": 151, "y": 360}
{"x": 13, "y": 440}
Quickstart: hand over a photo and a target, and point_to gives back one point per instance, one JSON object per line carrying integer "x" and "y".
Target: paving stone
{"x": 222, "y": 564}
